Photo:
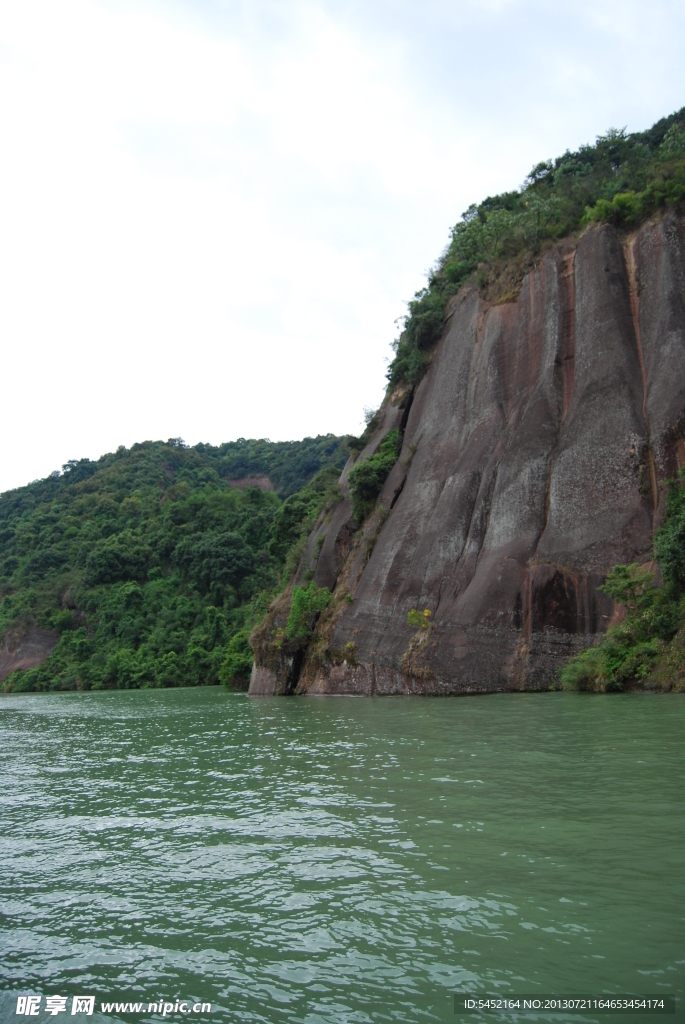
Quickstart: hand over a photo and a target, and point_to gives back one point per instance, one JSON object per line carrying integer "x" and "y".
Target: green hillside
{"x": 150, "y": 566}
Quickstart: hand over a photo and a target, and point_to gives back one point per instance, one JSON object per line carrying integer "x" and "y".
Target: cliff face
{"x": 534, "y": 454}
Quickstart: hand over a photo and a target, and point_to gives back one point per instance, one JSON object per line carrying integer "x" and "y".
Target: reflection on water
{"x": 332, "y": 860}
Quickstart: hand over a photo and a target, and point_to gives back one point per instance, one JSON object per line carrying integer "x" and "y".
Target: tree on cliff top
{"x": 621, "y": 179}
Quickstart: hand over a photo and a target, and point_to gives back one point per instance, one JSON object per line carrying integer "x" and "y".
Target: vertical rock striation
{"x": 534, "y": 454}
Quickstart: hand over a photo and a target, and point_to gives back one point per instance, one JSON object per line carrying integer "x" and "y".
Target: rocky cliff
{"x": 534, "y": 455}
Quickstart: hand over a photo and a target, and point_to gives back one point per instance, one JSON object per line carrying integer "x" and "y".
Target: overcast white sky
{"x": 213, "y": 211}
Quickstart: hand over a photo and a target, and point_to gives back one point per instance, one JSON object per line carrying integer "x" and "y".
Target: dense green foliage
{"x": 368, "y": 475}
{"x": 237, "y": 665}
{"x": 621, "y": 179}
{"x": 648, "y": 647}
{"x": 150, "y": 565}
{"x": 307, "y": 603}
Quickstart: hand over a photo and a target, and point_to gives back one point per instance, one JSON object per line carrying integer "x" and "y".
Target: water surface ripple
{"x": 339, "y": 860}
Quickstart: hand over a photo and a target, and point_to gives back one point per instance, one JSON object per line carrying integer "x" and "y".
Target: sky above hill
{"x": 212, "y": 212}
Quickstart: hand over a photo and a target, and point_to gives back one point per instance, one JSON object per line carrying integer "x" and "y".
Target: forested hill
{"x": 149, "y": 566}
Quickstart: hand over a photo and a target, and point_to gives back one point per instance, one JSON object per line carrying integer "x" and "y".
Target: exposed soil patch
{"x": 262, "y": 482}
{"x": 25, "y": 647}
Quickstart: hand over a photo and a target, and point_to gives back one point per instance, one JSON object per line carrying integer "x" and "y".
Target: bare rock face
{"x": 534, "y": 456}
{"x": 25, "y": 647}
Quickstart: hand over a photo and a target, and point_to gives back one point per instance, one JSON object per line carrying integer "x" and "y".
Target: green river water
{"x": 339, "y": 860}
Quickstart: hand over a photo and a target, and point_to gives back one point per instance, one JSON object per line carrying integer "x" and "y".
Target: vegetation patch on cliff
{"x": 366, "y": 478}
{"x": 647, "y": 649}
{"x": 622, "y": 179}
{"x": 306, "y": 606}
